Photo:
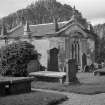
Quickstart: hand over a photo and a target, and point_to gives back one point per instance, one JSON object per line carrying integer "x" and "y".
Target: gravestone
{"x": 33, "y": 66}
{"x": 71, "y": 71}
{"x": 53, "y": 60}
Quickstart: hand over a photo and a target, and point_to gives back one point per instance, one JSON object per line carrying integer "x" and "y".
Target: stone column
{"x": 48, "y": 59}
{"x": 78, "y": 54}
{"x": 72, "y": 51}
{"x": 76, "y": 51}
{"x": 80, "y": 51}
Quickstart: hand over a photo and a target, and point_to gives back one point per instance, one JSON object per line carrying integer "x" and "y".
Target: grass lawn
{"x": 89, "y": 84}
{"x": 33, "y": 98}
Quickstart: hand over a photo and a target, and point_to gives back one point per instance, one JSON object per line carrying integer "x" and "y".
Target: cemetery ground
{"x": 91, "y": 91}
{"x": 32, "y": 98}
{"x": 88, "y": 84}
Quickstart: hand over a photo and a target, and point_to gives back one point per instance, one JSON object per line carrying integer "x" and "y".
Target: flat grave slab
{"x": 49, "y": 75}
{"x": 100, "y": 72}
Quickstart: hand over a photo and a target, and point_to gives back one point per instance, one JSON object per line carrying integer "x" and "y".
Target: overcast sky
{"x": 93, "y": 10}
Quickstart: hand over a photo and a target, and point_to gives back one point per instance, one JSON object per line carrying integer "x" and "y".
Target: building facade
{"x": 70, "y": 38}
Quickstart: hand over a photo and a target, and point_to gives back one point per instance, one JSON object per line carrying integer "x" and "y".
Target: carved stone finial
{"x": 73, "y": 13}
{"x": 74, "y": 10}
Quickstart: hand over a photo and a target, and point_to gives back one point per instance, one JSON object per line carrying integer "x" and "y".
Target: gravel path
{"x": 79, "y": 99}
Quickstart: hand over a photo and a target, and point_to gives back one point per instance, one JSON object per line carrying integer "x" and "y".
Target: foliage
{"x": 101, "y": 52}
{"x": 15, "y": 57}
{"x": 100, "y": 44}
{"x": 42, "y": 12}
{"x": 100, "y": 30}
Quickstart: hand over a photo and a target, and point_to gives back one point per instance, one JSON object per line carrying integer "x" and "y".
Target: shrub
{"x": 15, "y": 57}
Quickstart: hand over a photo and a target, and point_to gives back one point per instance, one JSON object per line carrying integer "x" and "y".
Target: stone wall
{"x": 42, "y": 46}
{"x": 59, "y": 43}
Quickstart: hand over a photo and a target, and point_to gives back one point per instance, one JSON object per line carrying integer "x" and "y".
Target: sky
{"x": 92, "y": 10}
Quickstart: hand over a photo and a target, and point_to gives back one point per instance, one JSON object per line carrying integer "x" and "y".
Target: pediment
{"x": 75, "y": 30}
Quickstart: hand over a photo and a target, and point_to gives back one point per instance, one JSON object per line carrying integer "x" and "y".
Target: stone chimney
{"x": 27, "y": 30}
{"x": 22, "y": 18}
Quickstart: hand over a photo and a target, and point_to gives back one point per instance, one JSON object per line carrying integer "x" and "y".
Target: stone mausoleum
{"x": 57, "y": 41}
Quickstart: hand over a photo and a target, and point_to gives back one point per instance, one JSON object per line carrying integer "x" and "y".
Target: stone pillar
{"x": 77, "y": 52}
{"x": 80, "y": 53}
{"x": 71, "y": 71}
{"x": 72, "y": 51}
{"x": 53, "y": 60}
{"x": 48, "y": 59}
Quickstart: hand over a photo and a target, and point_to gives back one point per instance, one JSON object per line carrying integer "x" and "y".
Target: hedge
{"x": 15, "y": 57}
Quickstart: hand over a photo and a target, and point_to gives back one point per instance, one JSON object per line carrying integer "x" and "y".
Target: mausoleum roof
{"x": 48, "y": 29}
{"x": 37, "y": 30}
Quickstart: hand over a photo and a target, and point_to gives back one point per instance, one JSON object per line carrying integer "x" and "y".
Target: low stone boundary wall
{"x": 15, "y": 85}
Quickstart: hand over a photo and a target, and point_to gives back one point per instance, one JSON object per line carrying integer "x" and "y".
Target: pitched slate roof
{"x": 46, "y": 29}
{"x": 43, "y": 29}
{"x": 37, "y": 30}
{"x": 17, "y": 31}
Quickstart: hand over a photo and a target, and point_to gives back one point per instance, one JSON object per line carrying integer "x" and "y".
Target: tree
{"x": 101, "y": 51}
{"x": 42, "y": 12}
{"x": 15, "y": 57}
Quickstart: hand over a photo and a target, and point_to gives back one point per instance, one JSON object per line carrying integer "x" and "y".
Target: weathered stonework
{"x": 72, "y": 40}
